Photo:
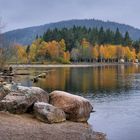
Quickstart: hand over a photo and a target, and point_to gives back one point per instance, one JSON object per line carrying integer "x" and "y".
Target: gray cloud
{"x": 24, "y": 13}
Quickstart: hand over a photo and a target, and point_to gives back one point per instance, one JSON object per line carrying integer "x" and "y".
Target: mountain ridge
{"x": 27, "y": 35}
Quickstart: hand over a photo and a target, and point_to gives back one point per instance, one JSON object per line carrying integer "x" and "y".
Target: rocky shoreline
{"x": 63, "y": 114}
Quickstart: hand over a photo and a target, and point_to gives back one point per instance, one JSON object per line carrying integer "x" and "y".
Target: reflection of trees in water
{"x": 104, "y": 79}
{"x": 55, "y": 80}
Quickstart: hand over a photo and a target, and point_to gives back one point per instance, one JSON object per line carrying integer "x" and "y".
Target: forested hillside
{"x": 74, "y": 36}
{"x": 78, "y": 44}
{"x": 27, "y": 35}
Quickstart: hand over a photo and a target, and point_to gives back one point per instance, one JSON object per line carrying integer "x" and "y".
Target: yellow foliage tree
{"x": 133, "y": 55}
{"x": 120, "y": 52}
{"x": 62, "y": 44}
{"x": 101, "y": 52}
{"x": 21, "y": 54}
{"x": 33, "y": 52}
{"x": 111, "y": 52}
{"x": 95, "y": 53}
{"x": 128, "y": 54}
{"x": 66, "y": 57}
{"x": 138, "y": 56}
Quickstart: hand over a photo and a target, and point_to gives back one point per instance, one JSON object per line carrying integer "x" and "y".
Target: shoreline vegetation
{"x": 77, "y": 45}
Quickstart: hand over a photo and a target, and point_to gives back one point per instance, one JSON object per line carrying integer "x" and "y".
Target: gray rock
{"x": 76, "y": 108}
{"x": 3, "y": 93}
{"x": 21, "y": 100}
{"x": 4, "y": 89}
{"x": 7, "y": 87}
{"x": 48, "y": 113}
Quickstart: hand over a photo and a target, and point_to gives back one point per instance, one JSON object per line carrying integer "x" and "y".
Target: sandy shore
{"x": 26, "y": 127}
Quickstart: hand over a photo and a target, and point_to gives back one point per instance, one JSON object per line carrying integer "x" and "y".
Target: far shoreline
{"x": 68, "y": 65}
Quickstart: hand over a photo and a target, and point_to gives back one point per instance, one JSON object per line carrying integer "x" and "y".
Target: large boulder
{"x": 76, "y": 108}
{"x": 6, "y": 88}
{"x": 21, "y": 100}
{"x": 48, "y": 113}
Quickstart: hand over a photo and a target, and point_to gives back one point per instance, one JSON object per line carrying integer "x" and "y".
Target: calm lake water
{"x": 114, "y": 92}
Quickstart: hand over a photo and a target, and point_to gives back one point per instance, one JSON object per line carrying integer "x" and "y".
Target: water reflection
{"x": 114, "y": 92}
{"x": 93, "y": 82}
{"x": 105, "y": 79}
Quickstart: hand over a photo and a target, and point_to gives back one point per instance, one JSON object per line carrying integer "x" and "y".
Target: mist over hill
{"x": 27, "y": 35}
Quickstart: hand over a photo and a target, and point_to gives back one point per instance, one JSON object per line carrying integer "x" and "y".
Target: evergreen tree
{"x": 136, "y": 45}
{"x": 28, "y": 52}
{"x": 109, "y": 37}
{"x": 101, "y": 36}
{"x": 127, "y": 40}
{"x": 93, "y": 35}
{"x": 118, "y": 39}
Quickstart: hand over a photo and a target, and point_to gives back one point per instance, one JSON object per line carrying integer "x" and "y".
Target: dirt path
{"x": 26, "y": 127}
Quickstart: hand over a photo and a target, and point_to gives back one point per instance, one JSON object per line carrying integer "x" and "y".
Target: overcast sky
{"x": 24, "y": 13}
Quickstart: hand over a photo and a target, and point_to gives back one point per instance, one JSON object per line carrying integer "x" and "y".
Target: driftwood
{"x": 42, "y": 75}
{"x": 22, "y": 74}
{"x": 6, "y": 71}
{"x": 36, "y": 78}
{"x": 6, "y": 74}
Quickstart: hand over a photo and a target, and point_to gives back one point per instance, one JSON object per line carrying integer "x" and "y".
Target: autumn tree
{"x": 33, "y": 52}
{"x": 112, "y": 52}
{"x": 138, "y": 56}
{"x": 22, "y": 56}
{"x": 85, "y": 49}
{"x": 66, "y": 57}
{"x": 128, "y": 54}
{"x": 133, "y": 55}
{"x": 120, "y": 52}
{"x": 101, "y": 53}
{"x": 95, "y": 53}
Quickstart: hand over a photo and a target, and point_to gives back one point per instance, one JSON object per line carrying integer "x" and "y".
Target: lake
{"x": 114, "y": 92}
